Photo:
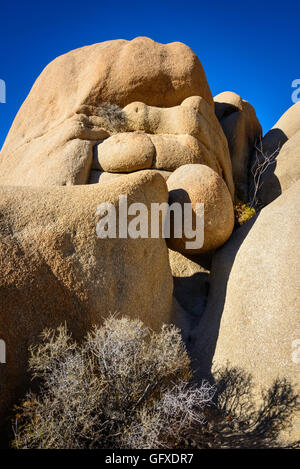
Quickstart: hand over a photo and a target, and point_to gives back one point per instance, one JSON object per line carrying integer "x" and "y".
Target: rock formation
{"x": 280, "y": 146}
{"x": 51, "y": 139}
{"x": 137, "y": 119}
{"x": 199, "y": 184}
{"x": 242, "y": 129}
{"x": 55, "y": 270}
{"x": 252, "y": 316}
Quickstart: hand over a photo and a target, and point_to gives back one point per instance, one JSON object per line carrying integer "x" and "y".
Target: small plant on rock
{"x": 243, "y": 212}
{"x": 113, "y": 117}
{"x": 123, "y": 387}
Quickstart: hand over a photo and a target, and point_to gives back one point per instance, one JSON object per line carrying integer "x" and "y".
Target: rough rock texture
{"x": 242, "y": 129}
{"x": 253, "y": 308}
{"x": 190, "y": 275}
{"x": 96, "y": 177}
{"x": 165, "y": 139}
{"x": 194, "y": 125}
{"x": 287, "y": 126}
{"x": 173, "y": 151}
{"x": 289, "y": 122}
{"x": 63, "y": 156}
{"x": 64, "y": 105}
{"x": 125, "y": 152}
{"x": 133, "y": 151}
{"x": 283, "y": 173}
{"x": 200, "y": 184}
{"x": 282, "y": 145}
{"x": 54, "y": 269}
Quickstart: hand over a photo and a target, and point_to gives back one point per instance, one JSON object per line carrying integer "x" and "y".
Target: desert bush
{"x": 113, "y": 116}
{"x": 124, "y": 386}
{"x": 243, "y": 212}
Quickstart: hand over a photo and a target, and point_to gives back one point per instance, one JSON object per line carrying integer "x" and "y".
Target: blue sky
{"x": 251, "y": 48}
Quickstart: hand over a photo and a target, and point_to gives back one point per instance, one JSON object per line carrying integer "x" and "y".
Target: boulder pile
{"x": 137, "y": 119}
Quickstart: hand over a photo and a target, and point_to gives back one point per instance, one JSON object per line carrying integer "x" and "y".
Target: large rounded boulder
{"x": 251, "y": 321}
{"x": 54, "y": 269}
{"x": 51, "y": 139}
{"x": 242, "y": 129}
{"x": 198, "y": 184}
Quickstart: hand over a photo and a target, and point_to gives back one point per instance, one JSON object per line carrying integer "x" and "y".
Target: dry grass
{"x": 113, "y": 117}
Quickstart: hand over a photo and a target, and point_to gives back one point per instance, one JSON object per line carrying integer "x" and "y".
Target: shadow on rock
{"x": 268, "y": 187}
{"x": 191, "y": 292}
{"x": 237, "y": 422}
{"x": 203, "y": 342}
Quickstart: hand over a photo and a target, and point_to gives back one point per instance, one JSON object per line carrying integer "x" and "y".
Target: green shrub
{"x": 123, "y": 387}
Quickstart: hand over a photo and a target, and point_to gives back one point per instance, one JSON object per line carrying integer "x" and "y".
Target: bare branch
{"x": 260, "y": 165}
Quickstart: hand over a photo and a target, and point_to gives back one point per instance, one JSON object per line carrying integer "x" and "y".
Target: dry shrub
{"x": 123, "y": 387}
{"x": 114, "y": 118}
